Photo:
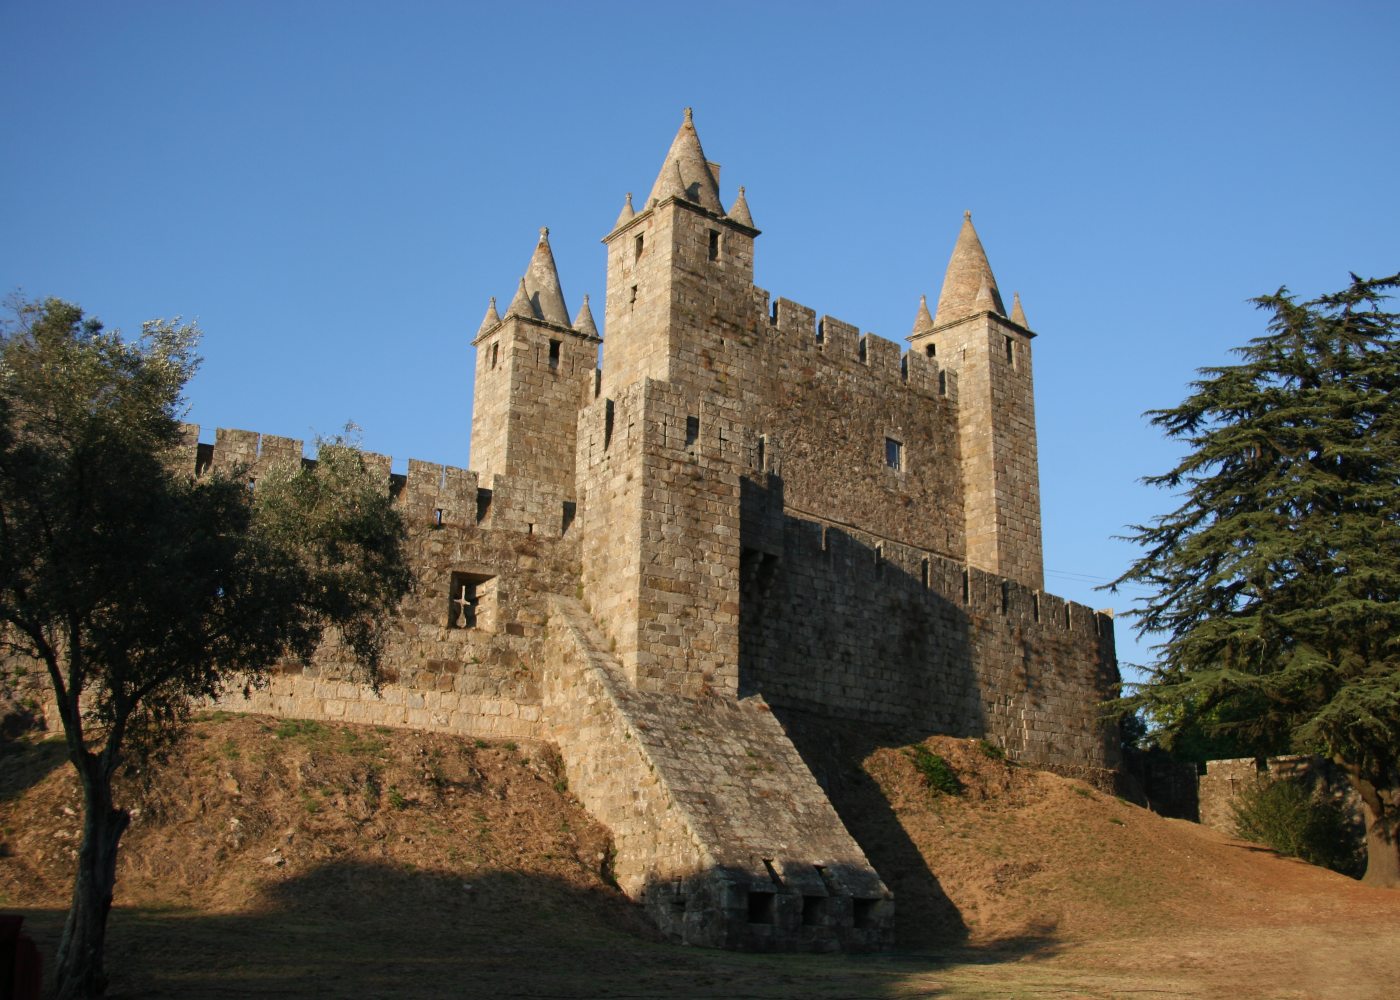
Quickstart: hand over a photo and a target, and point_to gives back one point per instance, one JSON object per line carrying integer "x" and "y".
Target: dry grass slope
{"x": 278, "y": 858}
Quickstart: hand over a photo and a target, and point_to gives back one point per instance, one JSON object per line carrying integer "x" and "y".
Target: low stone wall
{"x": 1225, "y": 780}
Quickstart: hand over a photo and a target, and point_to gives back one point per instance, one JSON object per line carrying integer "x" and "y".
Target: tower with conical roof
{"x": 680, "y": 277}
{"x": 970, "y": 334}
{"x": 533, "y": 367}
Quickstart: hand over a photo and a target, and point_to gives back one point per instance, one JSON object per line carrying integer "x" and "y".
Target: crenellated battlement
{"x": 430, "y": 493}
{"x": 798, "y": 328}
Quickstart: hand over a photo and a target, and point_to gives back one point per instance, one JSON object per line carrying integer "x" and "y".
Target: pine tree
{"x": 1276, "y": 582}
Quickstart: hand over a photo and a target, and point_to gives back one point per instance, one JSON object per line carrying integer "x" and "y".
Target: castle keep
{"x": 746, "y": 516}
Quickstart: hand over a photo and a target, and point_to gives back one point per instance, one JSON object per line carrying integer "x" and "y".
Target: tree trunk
{"x": 79, "y": 972}
{"x": 1381, "y": 807}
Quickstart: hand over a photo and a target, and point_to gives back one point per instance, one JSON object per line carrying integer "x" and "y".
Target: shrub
{"x": 992, "y": 750}
{"x": 938, "y": 774}
{"x": 1286, "y": 816}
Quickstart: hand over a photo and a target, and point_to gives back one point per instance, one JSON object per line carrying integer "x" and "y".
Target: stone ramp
{"x": 720, "y": 828}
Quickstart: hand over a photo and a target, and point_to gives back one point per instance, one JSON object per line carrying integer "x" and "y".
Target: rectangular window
{"x": 894, "y": 454}
{"x": 554, "y": 346}
{"x": 692, "y": 430}
{"x": 637, "y": 247}
{"x": 714, "y": 244}
{"x": 1010, "y": 352}
{"x": 931, "y": 350}
{"x": 495, "y": 354}
{"x": 470, "y": 600}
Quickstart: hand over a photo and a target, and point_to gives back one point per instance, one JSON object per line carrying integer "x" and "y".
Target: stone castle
{"x": 747, "y": 515}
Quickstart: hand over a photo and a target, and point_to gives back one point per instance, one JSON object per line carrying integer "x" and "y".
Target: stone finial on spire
{"x": 697, "y": 180}
{"x": 739, "y": 211}
{"x": 969, "y": 286}
{"x": 492, "y": 318}
{"x": 520, "y": 305}
{"x": 1018, "y": 315}
{"x": 627, "y": 213}
{"x": 923, "y": 322}
{"x": 583, "y": 322}
{"x": 542, "y": 284}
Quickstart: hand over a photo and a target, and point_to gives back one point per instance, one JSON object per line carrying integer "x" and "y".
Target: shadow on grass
{"x": 26, "y": 762}
{"x": 345, "y": 929}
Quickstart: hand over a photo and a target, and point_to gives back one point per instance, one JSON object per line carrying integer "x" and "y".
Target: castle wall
{"x": 661, "y": 553}
{"x": 846, "y": 624}
{"x": 511, "y": 545}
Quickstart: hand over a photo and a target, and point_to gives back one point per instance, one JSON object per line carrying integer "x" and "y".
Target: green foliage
{"x": 993, "y": 750}
{"x": 1286, "y": 816}
{"x": 1276, "y": 583}
{"x": 396, "y": 798}
{"x": 289, "y": 729}
{"x": 938, "y": 774}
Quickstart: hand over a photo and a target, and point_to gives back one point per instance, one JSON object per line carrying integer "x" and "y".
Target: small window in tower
{"x": 633, "y": 300}
{"x": 931, "y": 350}
{"x": 762, "y": 450}
{"x": 495, "y": 354}
{"x": 638, "y": 246}
{"x": 692, "y": 431}
{"x": 554, "y": 346}
{"x": 1010, "y": 351}
{"x": 894, "y": 454}
{"x": 714, "y": 244}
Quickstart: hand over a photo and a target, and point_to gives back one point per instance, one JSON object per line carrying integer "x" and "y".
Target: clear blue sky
{"x": 333, "y": 190}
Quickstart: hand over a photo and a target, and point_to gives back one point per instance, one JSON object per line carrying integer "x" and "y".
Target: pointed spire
{"x": 583, "y": 322}
{"x": 923, "y": 322}
{"x": 669, "y": 184}
{"x": 968, "y": 285}
{"x": 739, "y": 211}
{"x": 492, "y": 318}
{"x": 697, "y": 181}
{"x": 520, "y": 305}
{"x": 542, "y": 284}
{"x": 1018, "y": 315}
{"x": 627, "y": 213}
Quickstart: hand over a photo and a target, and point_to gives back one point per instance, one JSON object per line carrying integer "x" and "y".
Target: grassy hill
{"x": 280, "y": 858}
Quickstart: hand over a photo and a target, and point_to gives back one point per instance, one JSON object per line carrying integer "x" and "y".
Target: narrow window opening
{"x": 633, "y": 300}
{"x": 437, "y": 518}
{"x": 894, "y": 454}
{"x": 813, "y": 911}
{"x": 1005, "y": 596}
{"x": 904, "y": 367}
{"x": 824, "y": 546}
{"x": 529, "y": 529}
{"x": 570, "y": 512}
{"x": 554, "y": 346}
{"x": 967, "y": 588}
{"x": 471, "y": 600}
{"x": 942, "y": 383}
{"x": 762, "y": 451}
{"x": 923, "y": 573}
{"x": 638, "y": 244}
{"x": 607, "y": 424}
{"x": 821, "y": 331}
{"x": 1010, "y": 351}
{"x": 931, "y": 350}
{"x": 879, "y": 561}
{"x": 483, "y": 504}
{"x": 714, "y": 244}
{"x": 495, "y": 354}
{"x": 1035, "y": 606}
{"x": 692, "y": 430}
{"x": 862, "y": 350}
{"x": 763, "y": 907}
{"x": 863, "y": 912}
{"x": 1067, "y": 617}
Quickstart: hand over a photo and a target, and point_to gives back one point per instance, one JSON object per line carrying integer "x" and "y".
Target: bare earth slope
{"x": 275, "y": 858}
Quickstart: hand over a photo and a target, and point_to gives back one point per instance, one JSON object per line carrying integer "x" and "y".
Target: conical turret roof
{"x": 583, "y": 322}
{"x": 739, "y": 211}
{"x": 923, "y": 322}
{"x": 521, "y": 305}
{"x": 697, "y": 181}
{"x": 1018, "y": 315}
{"x": 627, "y": 213}
{"x": 968, "y": 285}
{"x": 491, "y": 319}
{"x": 542, "y": 284}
